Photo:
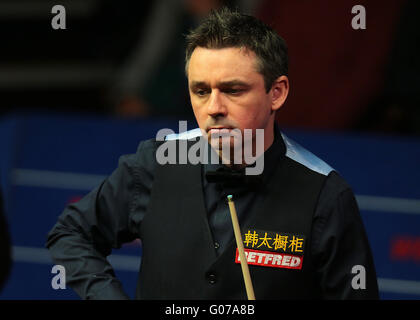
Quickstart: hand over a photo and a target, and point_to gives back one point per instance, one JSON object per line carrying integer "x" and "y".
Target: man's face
{"x": 226, "y": 91}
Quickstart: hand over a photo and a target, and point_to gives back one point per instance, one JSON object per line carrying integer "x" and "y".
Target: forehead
{"x": 222, "y": 64}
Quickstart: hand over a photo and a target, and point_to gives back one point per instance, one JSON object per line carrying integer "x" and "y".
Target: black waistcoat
{"x": 179, "y": 259}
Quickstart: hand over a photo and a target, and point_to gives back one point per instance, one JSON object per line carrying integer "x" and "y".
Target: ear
{"x": 279, "y": 91}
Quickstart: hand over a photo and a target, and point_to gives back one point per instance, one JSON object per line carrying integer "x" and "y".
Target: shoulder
{"x": 333, "y": 186}
{"x": 299, "y": 154}
{"x": 143, "y": 160}
{"x": 337, "y": 204}
{"x": 145, "y": 156}
{"x": 186, "y": 135}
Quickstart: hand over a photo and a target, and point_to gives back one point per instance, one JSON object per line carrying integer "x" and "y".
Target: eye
{"x": 233, "y": 91}
{"x": 201, "y": 92}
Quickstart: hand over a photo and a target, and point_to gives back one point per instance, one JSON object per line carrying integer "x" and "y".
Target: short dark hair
{"x": 226, "y": 28}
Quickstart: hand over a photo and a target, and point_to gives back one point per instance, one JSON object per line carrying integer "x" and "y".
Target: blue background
{"x": 378, "y": 166}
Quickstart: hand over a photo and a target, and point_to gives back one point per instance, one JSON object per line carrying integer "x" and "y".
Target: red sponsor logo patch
{"x": 271, "y": 259}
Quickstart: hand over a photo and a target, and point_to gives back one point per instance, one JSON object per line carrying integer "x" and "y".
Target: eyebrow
{"x": 198, "y": 84}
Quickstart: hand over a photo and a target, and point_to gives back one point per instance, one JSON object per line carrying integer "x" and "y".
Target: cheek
{"x": 194, "y": 104}
{"x": 199, "y": 113}
{"x": 253, "y": 117}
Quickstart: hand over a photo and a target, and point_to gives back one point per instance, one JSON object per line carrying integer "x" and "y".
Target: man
{"x": 301, "y": 227}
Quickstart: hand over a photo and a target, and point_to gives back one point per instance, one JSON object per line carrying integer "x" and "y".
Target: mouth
{"x": 218, "y": 128}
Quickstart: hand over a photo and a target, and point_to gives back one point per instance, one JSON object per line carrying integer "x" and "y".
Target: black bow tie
{"x": 232, "y": 177}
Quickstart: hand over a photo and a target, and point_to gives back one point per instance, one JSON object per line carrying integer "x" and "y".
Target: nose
{"x": 216, "y": 107}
